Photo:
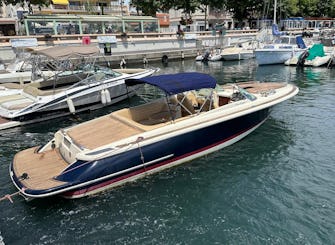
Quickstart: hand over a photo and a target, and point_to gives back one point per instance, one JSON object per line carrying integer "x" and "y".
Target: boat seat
{"x": 6, "y": 98}
{"x": 162, "y": 117}
{"x": 17, "y": 104}
{"x": 38, "y": 92}
{"x": 187, "y": 107}
{"x": 153, "y": 113}
{"x": 12, "y": 85}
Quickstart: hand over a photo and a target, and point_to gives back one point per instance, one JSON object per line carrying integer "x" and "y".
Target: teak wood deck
{"x": 102, "y": 131}
{"x": 253, "y": 87}
{"x": 40, "y": 167}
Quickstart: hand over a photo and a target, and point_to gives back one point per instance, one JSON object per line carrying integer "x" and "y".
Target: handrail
{"x": 5, "y": 40}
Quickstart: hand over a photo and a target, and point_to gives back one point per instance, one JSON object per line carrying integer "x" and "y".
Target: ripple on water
{"x": 274, "y": 187}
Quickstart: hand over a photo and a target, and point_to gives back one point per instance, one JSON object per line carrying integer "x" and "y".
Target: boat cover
{"x": 64, "y": 52}
{"x": 177, "y": 83}
{"x": 316, "y": 50}
{"x": 275, "y": 30}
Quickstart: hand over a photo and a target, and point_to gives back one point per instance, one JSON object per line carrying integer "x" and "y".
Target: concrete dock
{"x": 135, "y": 49}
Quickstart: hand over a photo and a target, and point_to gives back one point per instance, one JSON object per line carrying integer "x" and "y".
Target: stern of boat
{"x": 34, "y": 171}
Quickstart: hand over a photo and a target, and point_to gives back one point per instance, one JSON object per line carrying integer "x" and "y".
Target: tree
{"x": 243, "y": 9}
{"x": 150, "y": 7}
{"x": 206, "y": 4}
{"x": 21, "y": 2}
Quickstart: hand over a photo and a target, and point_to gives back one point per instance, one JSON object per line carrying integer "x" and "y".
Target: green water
{"x": 276, "y": 186}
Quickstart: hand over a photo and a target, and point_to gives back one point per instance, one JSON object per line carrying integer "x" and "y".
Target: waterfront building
{"x": 12, "y": 16}
{"x": 88, "y": 24}
{"x": 196, "y": 22}
{"x": 308, "y": 22}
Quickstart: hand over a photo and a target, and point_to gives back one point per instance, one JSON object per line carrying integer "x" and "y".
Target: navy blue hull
{"x": 178, "y": 147}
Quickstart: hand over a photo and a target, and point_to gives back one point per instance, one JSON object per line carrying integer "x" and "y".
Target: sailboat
{"x": 282, "y": 48}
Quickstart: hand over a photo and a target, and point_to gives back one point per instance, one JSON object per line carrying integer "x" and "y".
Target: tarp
{"x": 64, "y": 52}
{"x": 316, "y": 50}
{"x": 177, "y": 83}
{"x": 275, "y": 30}
{"x": 300, "y": 42}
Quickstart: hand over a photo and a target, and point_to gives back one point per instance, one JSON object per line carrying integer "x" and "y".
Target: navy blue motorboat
{"x": 194, "y": 118}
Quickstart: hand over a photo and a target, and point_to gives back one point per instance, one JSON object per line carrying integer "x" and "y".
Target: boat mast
{"x": 275, "y": 12}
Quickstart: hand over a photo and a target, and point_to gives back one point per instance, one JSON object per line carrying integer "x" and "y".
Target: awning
{"x": 177, "y": 83}
{"x": 60, "y": 2}
{"x": 65, "y": 52}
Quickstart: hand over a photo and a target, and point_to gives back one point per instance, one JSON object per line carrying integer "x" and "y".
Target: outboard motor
{"x": 165, "y": 59}
{"x": 302, "y": 58}
{"x": 206, "y": 56}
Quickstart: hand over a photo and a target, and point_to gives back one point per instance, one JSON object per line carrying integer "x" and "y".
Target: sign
{"x": 106, "y": 39}
{"x": 190, "y": 36}
{"x": 24, "y": 42}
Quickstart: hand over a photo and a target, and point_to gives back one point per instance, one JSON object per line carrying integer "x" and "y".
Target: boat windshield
{"x": 95, "y": 78}
{"x": 245, "y": 93}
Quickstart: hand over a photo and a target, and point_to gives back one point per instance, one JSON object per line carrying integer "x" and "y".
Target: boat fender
{"x": 71, "y": 105}
{"x": 108, "y": 96}
{"x": 145, "y": 61}
{"x": 103, "y": 97}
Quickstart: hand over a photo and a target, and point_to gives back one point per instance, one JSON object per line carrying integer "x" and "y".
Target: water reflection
{"x": 278, "y": 180}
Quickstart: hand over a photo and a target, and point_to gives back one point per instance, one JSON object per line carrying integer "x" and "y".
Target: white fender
{"x": 71, "y": 105}
{"x": 103, "y": 97}
{"x": 108, "y": 96}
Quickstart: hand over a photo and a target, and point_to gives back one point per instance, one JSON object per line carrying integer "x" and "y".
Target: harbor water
{"x": 276, "y": 186}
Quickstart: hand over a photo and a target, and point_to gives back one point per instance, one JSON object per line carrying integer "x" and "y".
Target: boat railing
{"x": 95, "y": 78}
{"x": 95, "y": 74}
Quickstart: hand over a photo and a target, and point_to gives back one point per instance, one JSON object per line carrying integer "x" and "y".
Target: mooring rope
{"x": 9, "y": 196}
{"x": 139, "y": 139}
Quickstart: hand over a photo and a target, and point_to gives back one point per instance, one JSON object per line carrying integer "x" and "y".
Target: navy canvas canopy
{"x": 177, "y": 83}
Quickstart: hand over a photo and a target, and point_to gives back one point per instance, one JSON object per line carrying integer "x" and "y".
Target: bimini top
{"x": 177, "y": 83}
{"x": 65, "y": 52}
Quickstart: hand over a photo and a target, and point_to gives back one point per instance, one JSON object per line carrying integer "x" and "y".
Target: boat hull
{"x": 82, "y": 98}
{"x": 275, "y": 56}
{"x": 238, "y": 56}
{"x": 163, "y": 153}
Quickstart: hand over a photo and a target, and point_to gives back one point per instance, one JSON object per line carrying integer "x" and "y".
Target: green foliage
{"x": 21, "y": 2}
{"x": 241, "y": 9}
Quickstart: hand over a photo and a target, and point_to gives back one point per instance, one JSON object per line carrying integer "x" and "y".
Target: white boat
{"x": 206, "y": 56}
{"x": 19, "y": 72}
{"x": 314, "y": 56}
{"x": 196, "y": 118}
{"x": 34, "y": 104}
{"x": 68, "y": 91}
{"x": 45, "y": 63}
{"x": 215, "y": 55}
{"x": 284, "y": 48}
{"x": 209, "y": 56}
{"x": 237, "y": 53}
